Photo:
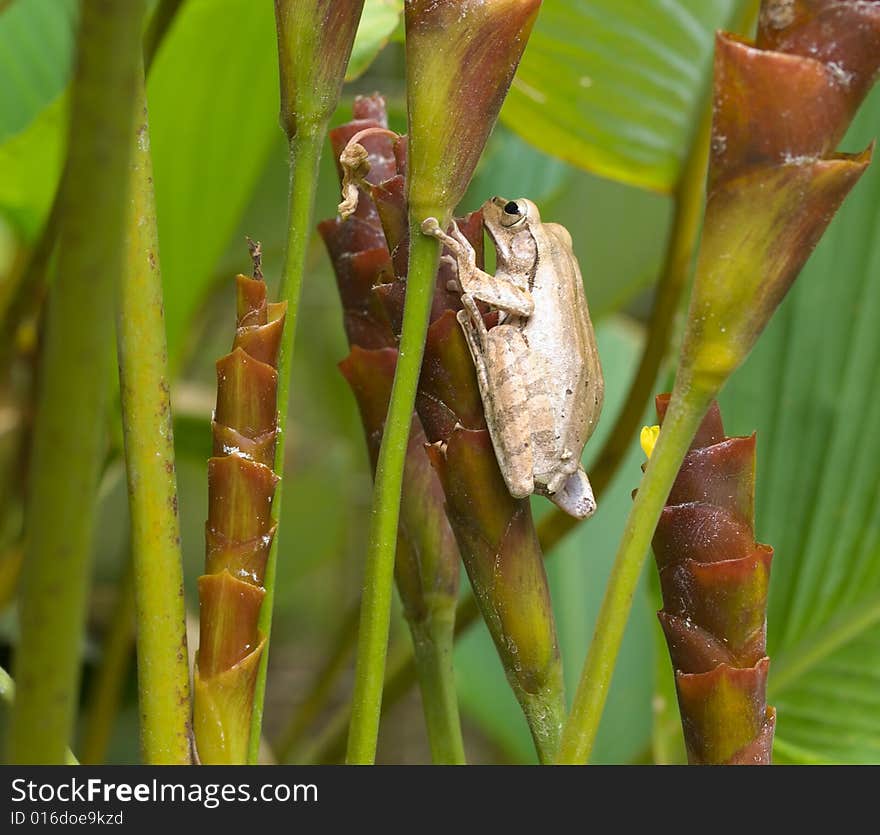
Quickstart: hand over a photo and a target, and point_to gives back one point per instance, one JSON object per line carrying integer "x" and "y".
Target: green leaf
{"x": 36, "y": 48}
{"x": 578, "y": 572}
{"x": 612, "y": 86}
{"x": 378, "y": 22}
{"x": 30, "y": 166}
{"x": 213, "y": 98}
{"x": 810, "y": 390}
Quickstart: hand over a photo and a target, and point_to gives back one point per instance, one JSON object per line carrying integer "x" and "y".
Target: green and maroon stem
{"x": 240, "y": 528}
{"x": 780, "y": 106}
{"x": 427, "y": 563}
{"x": 714, "y": 578}
{"x": 461, "y": 57}
{"x": 495, "y": 533}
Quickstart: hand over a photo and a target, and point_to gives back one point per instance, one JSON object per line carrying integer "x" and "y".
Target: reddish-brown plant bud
{"x": 461, "y": 56}
{"x": 493, "y": 530}
{"x": 427, "y": 562}
{"x": 714, "y": 579}
{"x": 780, "y": 108}
{"x": 239, "y": 530}
{"x": 315, "y": 38}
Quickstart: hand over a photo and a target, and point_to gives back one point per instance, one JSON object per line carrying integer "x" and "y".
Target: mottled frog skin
{"x": 538, "y": 368}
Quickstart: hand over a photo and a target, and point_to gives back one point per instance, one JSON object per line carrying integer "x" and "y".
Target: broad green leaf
{"x": 213, "y": 98}
{"x": 613, "y": 86}
{"x": 810, "y": 390}
{"x": 578, "y": 571}
{"x": 30, "y": 166}
{"x": 37, "y": 40}
{"x": 379, "y": 20}
{"x": 831, "y": 712}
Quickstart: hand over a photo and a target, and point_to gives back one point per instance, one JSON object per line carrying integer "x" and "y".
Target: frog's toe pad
{"x": 575, "y": 496}
{"x": 430, "y": 226}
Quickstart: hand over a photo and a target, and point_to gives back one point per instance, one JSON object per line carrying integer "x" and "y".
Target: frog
{"x": 538, "y": 369}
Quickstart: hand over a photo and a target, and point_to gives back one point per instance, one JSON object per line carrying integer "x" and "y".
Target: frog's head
{"x": 509, "y": 224}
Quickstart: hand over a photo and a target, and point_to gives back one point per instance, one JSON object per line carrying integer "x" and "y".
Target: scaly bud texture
{"x": 239, "y": 531}
{"x": 495, "y": 533}
{"x": 426, "y": 567}
{"x": 780, "y": 108}
{"x": 461, "y": 56}
{"x": 714, "y": 578}
{"x": 427, "y": 557}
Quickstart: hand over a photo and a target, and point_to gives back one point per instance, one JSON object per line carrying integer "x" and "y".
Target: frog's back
{"x": 561, "y": 332}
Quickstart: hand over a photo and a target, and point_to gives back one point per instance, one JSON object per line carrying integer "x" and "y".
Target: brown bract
{"x": 714, "y": 578}
{"x": 427, "y": 561}
{"x": 494, "y": 532}
{"x": 239, "y": 530}
{"x": 461, "y": 56}
{"x": 780, "y": 108}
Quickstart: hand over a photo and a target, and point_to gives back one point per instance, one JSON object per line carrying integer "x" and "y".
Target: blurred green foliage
{"x": 607, "y": 87}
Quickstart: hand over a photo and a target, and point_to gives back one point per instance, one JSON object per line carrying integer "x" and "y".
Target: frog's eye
{"x": 513, "y": 214}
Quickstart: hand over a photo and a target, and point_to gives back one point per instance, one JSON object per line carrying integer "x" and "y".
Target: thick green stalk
{"x": 686, "y": 411}
{"x": 400, "y": 675}
{"x": 7, "y": 695}
{"x": 163, "y": 667}
{"x": 687, "y": 220}
{"x": 433, "y": 645}
{"x": 335, "y": 664}
{"x": 305, "y": 156}
{"x": 677, "y": 269}
{"x": 70, "y": 423}
{"x": 105, "y": 694}
{"x": 366, "y": 707}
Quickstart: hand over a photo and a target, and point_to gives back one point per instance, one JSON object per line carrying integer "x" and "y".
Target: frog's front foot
{"x": 431, "y": 226}
{"x": 456, "y": 243}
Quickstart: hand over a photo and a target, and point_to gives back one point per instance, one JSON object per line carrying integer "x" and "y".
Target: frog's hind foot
{"x": 575, "y": 496}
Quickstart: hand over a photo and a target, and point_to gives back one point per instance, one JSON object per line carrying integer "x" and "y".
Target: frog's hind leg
{"x": 477, "y": 335}
{"x": 575, "y": 496}
{"x": 498, "y": 356}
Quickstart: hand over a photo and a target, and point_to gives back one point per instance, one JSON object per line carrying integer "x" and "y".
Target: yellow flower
{"x": 648, "y": 439}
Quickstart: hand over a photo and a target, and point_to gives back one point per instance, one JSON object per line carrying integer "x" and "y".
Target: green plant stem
{"x": 105, "y": 693}
{"x": 682, "y": 420}
{"x": 677, "y": 267}
{"x": 7, "y": 695}
{"x": 325, "y": 680}
{"x": 71, "y": 420}
{"x": 400, "y": 675}
{"x": 23, "y": 294}
{"x": 433, "y": 643}
{"x": 163, "y": 669}
{"x": 305, "y": 157}
{"x": 424, "y": 255}
{"x": 329, "y": 745}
